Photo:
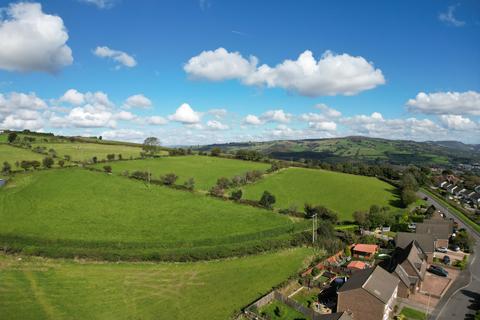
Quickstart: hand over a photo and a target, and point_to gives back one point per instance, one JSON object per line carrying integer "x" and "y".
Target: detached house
{"x": 409, "y": 264}
{"x": 369, "y": 294}
{"x": 425, "y": 241}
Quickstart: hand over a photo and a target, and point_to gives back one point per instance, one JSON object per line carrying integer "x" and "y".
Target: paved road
{"x": 463, "y": 297}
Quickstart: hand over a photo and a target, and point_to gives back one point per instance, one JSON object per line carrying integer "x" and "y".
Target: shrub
{"x": 47, "y": 162}
{"x": 107, "y": 169}
{"x": 94, "y": 159}
{"x": 216, "y": 191}
{"x": 6, "y": 168}
{"x": 141, "y": 175}
{"x": 215, "y": 152}
{"x": 25, "y": 165}
{"x": 12, "y": 136}
{"x": 35, "y": 164}
{"x": 223, "y": 183}
{"x": 189, "y": 184}
{"x": 169, "y": 179}
{"x": 236, "y": 195}
{"x": 61, "y": 163}
{"x": 110, "y": 157}
{"x": 267, "y": 200}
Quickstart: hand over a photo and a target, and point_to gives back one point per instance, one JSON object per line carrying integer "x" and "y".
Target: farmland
{"x": 38, "y": 288}
{"x": 205, "y": 170}
{"x": 343, "y": 193}
{"x": 86, "y": 151}
{"x": 79, "y": 212}
{"x": 14, "y": 154}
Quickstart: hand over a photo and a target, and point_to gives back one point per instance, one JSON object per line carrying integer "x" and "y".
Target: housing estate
{"x": 409, "y": 265}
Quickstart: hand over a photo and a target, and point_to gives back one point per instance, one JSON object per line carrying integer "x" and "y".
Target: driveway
{"x": 463, "y": 297}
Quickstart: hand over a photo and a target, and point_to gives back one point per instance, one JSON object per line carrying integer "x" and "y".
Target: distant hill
{"x": 364, "y": 149}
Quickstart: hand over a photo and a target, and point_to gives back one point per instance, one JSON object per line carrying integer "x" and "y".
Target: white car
{"x": 442, "y": 249}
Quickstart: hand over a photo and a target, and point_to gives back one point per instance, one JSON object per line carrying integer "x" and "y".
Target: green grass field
{"x": 67, "y": 212}
{"x": 86, "y": 151}
{"x": 37, "y": 288}
{"x": 286, "y": 312}
{"x": 413, "y": 314}
{"x": 343, "y": 193}
{"x": 14, "y": 154}
{"x": 205, "y": 170}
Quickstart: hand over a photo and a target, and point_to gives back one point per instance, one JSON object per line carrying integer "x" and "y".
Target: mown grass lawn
{"x": 205, "y": 170}
{"x": 77, "y": 209}
{"x": 86, "y": 151}
{"x": 413, "y": 314}
{"x": 36, "y": 288}
{"x": 14, "y": 154}
{"x": 343, "y": 193}
{"x": 284, "y": 312}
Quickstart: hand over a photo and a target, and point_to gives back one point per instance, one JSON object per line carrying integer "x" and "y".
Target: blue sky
{"x": 396, "y": 69}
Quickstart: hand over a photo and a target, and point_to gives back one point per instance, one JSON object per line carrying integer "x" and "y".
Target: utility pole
{"x": 314, "y": 227}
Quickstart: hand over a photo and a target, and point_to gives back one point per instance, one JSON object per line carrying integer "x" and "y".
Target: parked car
{"x": 439, "y": 271}
{"x": 442, "y": 249}
{"x": 455, "y": 248}
{"x": 446, "y": 260}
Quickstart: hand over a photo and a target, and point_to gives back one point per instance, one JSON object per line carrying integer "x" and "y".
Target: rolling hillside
{"x": 401, "y": 152}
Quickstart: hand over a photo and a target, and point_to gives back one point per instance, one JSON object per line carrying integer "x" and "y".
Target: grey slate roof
{"x": 438, "y": 229}
{"x": 425, "y": 241}
{"x": 377, "y": 282}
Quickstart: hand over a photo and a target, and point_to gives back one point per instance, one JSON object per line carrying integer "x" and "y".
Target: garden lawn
{"x": 413, "y": 314}
{"x": 286, "y": 312}
{"x": 343, "y": 193}
{"x": 14, "y": 154}
{"x": 86, "y": 151}
{"x": 205, "y": 170}
{"x": 38, "y": 288}
{"x": 72, "y": 211}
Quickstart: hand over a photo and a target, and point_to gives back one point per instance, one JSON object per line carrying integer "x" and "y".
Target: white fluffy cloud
{"x": 376, "y": 125}
{"x": 119, "y": 56}
{"x": 449, "y": 17}
{"x": 185, "y": 114}
{"x": 216, "y": 125}
{"x": 252, "y": 120}
{"x": 323, "y": 126}
{"x": 156, "y": 120}
{"x": 90, "y": 116}
{"x": 220, "y": 65}
{"x": 327, "y": 111}
{"x": 125, "y": 116}
{"x": 31, "y": 40}
{"x": 457, "y": 122}
{"x": 276, "y": 116}
{"x": 138, "y": 101}
{"x": 332, "y": 74}
{"x": 446, "y": 103}
{"x": 72, "y": 96}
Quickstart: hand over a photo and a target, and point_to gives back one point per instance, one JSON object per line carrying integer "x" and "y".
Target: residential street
{"x": 459, "y": 301}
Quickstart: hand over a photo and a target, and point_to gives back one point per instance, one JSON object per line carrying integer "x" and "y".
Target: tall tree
{"x": 151, "y": 145}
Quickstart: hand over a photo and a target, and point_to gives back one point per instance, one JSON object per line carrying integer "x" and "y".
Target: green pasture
{"x": 343, "y": 193}
{"x": 70, "y": 212}
{"x": 86, "y": 151}
{"x": 14, "y": 154}
{"x": 39, "y": 288}
{"x": 205, "y": 170}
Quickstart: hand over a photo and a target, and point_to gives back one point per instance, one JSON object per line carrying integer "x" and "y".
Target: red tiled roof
{"x": 356, "y": 265}
{"x": 369, "y": 248}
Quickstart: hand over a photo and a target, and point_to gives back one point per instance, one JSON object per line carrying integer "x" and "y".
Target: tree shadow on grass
{"x": 396, "y": 201}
